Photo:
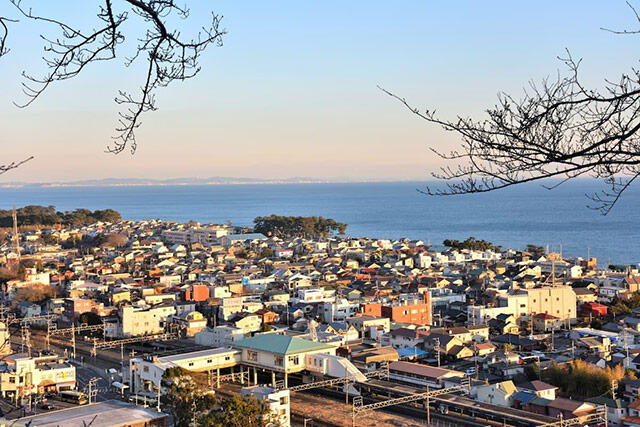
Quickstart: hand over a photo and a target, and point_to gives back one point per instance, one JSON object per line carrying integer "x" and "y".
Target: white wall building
{"x": 277, "y": 401}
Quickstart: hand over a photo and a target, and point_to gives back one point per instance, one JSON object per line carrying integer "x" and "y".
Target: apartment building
{"x": 415, "y": 311}
{"x": 135, "y": 321}
{"x": 558, "y": 301}
{"x": 21, "y": 375}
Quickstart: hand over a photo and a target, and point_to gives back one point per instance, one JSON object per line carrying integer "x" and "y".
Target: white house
{"x": 277, "y": 401}
{"x": 496, "y": 394}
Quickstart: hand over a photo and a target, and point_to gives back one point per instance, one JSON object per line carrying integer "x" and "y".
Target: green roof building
{"x": 280, "y": 353}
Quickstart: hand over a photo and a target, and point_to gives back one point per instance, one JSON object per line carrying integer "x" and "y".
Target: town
{"x": 119, "y": 322}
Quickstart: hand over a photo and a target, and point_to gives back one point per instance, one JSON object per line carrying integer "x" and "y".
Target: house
{"x": 593, "y": 309}
{"x": 404, "y": 338}
{"x": 342, "y": 329}
{"x": 616, "y": 408}
{"x": 569, "y": 408}
{"x": 191, "y": 323}
{"x": 484, "y": 348}
{"x": 540, "y": 389}
{"x": 275, "y": 400}
{"x": 29, "y": 309}
{"x": 248, "y": 322}
{"x": 440, "y": 343}
{"x": 220, "y": 336}
{"x": 267, "y": 316}
{"x": 633, "y": 417}
{"x": 479, "y": 333}
{"x": 495, "y": 394}
{"x": 546, "y": 322}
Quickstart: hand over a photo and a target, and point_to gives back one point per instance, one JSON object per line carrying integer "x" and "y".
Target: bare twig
{"x": 13, "y": 165}
{"x": 557, "y": 129}
{"x": 169, "y": 57}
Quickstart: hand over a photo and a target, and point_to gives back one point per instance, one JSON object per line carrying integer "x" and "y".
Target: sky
{"x": 293, "y": 91}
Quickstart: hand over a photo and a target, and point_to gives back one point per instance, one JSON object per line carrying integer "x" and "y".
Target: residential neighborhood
{"x": 278, "y": 312}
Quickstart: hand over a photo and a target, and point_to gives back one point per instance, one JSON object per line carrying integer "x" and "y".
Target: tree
{"x": 297, "y": 226}
{"x": 185, "y": 399}
{"x": 558, "y": 129}
{"x": 472, "y": 243}
{"x": 47, "y": 215}
{"x": 89, "y": 318}
{"x": 114, "y": 240}
{"x": 241, "y": 412}
{"x": 536, "y": 251}
{"x": 583, "y": 380}
{"x": 167, "y": 55}
{"x": 37, "y": 293}
{"x": 265, "y": 327}
{"x": 190, "y": 404}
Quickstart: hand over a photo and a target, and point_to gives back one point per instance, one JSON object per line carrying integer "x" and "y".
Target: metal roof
{"x": 112, "y": 413}
{"x": 280, "y": 344}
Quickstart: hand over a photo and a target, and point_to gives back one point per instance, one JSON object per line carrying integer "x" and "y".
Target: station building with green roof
{"x": 280, "y": 353}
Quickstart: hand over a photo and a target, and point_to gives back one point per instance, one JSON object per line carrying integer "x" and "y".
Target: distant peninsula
{"x": 215, "y": 180}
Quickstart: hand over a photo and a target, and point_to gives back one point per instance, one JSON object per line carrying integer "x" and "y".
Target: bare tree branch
{"x": 13, "y": 165}
{"x": 558, "y": 129}
{"x": 168, "y": 55}
{"x": 4, "y": 34}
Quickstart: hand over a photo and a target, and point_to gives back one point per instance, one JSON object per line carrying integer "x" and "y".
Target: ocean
{"x": 512, "y": 217}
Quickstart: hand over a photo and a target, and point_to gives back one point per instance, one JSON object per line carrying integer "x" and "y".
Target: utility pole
{"x": 93, "y": 390}
{"x": 428, "y": 408}
{"x": 346, "y": 386}
{"x": 73, "y": 340}
{"x": 159, "y": 386}
{"x": 48, "y": 332}
{"x": 475, "y": 351}
{"x": 16, "y": 237}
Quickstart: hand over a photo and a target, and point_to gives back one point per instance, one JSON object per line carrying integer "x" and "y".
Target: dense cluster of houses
{"x": 431, "y": 314}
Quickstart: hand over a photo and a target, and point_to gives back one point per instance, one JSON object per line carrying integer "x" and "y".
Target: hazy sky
{"x": 293, "y": 90}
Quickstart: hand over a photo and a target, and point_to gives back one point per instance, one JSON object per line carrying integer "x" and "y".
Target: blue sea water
{"x": 512, "y": 218}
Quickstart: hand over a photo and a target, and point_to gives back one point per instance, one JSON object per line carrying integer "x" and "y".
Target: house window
{"x": 252, "y": 356}
{"x": 294, "y": 360}
{"x": 283, "y": 400}
{"x": 278, "y": 360}
{"x": 209, "y": 361}
{"x": 190, "y": 363}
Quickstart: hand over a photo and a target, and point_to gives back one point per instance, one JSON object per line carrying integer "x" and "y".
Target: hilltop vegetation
{"x": 472, "y": 244}
{"x": 47, "y": 216}
{"x": 297, "y": 226}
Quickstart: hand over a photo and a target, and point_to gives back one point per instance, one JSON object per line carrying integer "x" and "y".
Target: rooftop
{"x": 112, "y": 413}
{"x": 280, "y": 344}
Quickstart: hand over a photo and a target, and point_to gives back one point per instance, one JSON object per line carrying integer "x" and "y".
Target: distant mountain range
{"x": 214, "y": 180}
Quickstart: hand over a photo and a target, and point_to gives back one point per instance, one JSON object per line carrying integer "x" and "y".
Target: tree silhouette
{"x": 559, "y": 129}
{"x": 167, "y": 54}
